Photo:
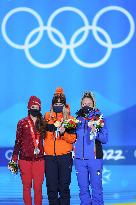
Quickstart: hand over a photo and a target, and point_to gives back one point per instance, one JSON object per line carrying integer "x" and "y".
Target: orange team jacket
{"x": 61, "y": 145}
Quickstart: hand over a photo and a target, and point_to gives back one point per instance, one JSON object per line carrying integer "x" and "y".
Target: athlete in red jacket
{"x": 29, "y": 152}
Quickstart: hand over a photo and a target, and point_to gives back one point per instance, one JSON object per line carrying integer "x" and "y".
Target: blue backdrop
{"x": 80, "y": 45}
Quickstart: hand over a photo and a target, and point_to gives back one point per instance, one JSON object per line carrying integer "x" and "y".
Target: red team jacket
{"x": 24, "y": 146}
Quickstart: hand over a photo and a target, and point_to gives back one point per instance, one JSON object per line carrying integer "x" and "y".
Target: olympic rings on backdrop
{"x": 62, "y": 43}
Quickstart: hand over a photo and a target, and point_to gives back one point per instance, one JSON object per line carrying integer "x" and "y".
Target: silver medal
{"x": 36, "y": 151}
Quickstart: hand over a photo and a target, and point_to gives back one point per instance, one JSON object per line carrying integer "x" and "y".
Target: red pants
{"x": 32, "y": 171}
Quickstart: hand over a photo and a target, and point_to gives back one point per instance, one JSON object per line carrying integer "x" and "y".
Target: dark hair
{"x": 58, "y": 97}
{"x": 41, "y": 125}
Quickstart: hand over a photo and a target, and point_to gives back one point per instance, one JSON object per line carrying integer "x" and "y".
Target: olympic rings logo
{"x": 73, "y": 43}
{"x": 8, "y": 154}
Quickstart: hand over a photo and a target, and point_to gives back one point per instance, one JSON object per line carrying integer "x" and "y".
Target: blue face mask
{"x": 58, "y": 108}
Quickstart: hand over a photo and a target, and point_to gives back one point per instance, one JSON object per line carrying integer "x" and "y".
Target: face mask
{"x": 58, "y": 108}
{"x": 34, "y": 112}
{"x": 86, "y": 109}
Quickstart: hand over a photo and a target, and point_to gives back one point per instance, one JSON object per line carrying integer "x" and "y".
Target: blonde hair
{"x": 90, "y": 95}
{"x": 65, "y": 113}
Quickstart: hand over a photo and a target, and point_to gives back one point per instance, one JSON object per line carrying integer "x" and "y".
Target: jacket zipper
{"x": 55, "y": 140}
{"x": 83, "y": 140}
{"x": 54, "y": 144}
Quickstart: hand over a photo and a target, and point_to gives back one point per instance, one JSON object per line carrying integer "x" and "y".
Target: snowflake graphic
{"x": 106, "y": 175}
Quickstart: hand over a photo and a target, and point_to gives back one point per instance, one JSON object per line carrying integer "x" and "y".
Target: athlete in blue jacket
{"x": 89, "y": 153}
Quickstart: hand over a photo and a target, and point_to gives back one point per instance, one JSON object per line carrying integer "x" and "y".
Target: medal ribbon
{"x": 35, "y": 138}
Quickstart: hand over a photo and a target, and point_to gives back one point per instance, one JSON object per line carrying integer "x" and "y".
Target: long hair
{"x": 61, "y": 98}
{"x": 41, "y": 125}
{"x": 66, "y": 112}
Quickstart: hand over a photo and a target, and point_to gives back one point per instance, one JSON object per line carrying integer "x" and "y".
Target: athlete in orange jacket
{"x": 57, "y": 148}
